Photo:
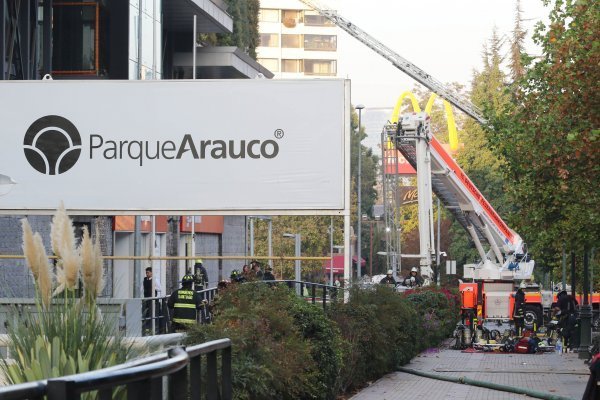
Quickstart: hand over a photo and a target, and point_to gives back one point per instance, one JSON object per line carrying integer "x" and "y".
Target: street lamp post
{"x": 297, "y": 263}
{"x": 359, "y": 107}
{"x": 585, "y": 312}
{"x": 331, "y": 252}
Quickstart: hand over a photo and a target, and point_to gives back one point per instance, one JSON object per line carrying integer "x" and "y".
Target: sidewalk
{"x": 564, "y": 375}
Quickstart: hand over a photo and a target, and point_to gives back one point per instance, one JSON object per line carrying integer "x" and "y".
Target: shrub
{"x": 326, "y": 345}
{"x": 286, "y": 348}
{"x": 271, "y": 359}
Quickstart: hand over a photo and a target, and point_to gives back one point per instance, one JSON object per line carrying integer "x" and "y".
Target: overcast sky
{"x": 443, "y": 37}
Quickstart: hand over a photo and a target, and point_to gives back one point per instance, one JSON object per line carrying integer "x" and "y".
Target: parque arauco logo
{"x": 52, "y": 145}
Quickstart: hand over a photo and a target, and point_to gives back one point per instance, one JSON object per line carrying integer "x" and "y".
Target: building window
{"x": 272, "y": 64}
{"x": 312, "y": 18}
{"x": 268, "y": 15}
{"x": 291, "y": 18}
{"x": 320, "y": 42}
{"x": 75, "y": 38}
{"x": 291, "y": 41}
{"x": 320, "y": 67}
{"x": 291, "y": 66}
{"x": 269, "y": 39}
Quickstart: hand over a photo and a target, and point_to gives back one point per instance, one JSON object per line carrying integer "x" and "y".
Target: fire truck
{"x": 488, "y": 285}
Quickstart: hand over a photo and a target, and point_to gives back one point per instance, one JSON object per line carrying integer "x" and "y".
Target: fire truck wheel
{"x": 533, "y": 314}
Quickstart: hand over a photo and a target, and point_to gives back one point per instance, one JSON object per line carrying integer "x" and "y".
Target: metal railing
{"x": 156, "y": 314}
{"x": 174, "y": 375}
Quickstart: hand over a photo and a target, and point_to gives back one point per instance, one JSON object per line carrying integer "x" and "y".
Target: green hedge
{"x": 287, "y": 348}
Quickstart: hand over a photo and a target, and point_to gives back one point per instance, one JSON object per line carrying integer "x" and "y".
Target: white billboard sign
{"x": 141, "y": 147}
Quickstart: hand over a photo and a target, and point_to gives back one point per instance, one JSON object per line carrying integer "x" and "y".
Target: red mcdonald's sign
{"x": 395, "y": 163}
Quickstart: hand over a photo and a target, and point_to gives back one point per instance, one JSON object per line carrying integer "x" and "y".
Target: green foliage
{"x": 438, "y": 311}
{"x": 245, "y": 26}
{"x": 369, "y": 168}
{"x": 67, "y": 338}
{"x": 326, "y": 345}
{"x": 383, "y": 329}
{"x": 315, "y": 242}
{"x": 271, "y": 359}
{"x": 549, "y": 135}
{"x": 286, "y": 348}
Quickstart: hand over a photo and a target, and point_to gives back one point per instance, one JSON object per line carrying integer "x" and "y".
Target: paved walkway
{"x": 563, "y": 375}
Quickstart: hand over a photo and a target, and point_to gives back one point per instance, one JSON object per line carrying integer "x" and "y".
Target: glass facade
{"x": 148, "y": 28}
{"x": 291, "y": 41}
{"x": 268, "y": 15}
{"x": 269, "y": 39}
{"x": 312, "y": 18}
{"x": 291, "y": 65}
{"x": 320, "y": 67}
{"x": 75, "y": 38}
{"x": 320, "y": 42}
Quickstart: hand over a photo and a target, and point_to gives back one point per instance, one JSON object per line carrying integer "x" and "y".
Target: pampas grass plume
{"x": 44, "y": 274}
{"x": 35, "y": 254}
{"x": 86, "y": 250}
{"x": 29, "y": 248}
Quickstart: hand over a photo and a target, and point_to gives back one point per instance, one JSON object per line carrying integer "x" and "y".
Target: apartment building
{"x": 296, "y": 42}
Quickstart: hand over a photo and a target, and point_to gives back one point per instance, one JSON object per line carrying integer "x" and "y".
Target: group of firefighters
{"x": 412, "y": 280}
{"x": 565, "y": 312}
{"x": 187, "y": 301}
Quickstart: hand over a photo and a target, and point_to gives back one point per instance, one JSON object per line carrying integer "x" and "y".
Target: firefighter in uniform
{"x": 200, "y": 276}
{"x": 184, "y": 304}
{"x": 519, "y": 309}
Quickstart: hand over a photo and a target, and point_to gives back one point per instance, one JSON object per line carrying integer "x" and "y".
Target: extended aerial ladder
{"x": 438, "y": 172}
{"x": 398, "y": 61}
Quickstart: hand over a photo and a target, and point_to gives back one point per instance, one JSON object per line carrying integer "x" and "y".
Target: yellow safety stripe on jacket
{"x": 184, "y": 321}
{"x": 184, "y": 305}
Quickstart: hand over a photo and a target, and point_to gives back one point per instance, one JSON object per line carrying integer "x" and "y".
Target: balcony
{"x": 211, "y": 15}
{"x": 218, "y": 63}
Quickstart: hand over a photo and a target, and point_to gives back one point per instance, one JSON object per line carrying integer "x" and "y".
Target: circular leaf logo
{"x": 52, "y": 145}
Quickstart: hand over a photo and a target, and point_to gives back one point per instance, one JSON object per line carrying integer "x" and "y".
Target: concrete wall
{"x": 15, "y": 278}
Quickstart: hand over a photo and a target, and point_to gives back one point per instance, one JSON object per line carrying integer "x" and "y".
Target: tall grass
{"x": 64, "y": 334}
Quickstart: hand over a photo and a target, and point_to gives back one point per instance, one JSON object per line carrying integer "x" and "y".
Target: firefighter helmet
{"x": 414, "y": 269}
{"x": 187, "y": 278}
{"x": 523, "y": 285}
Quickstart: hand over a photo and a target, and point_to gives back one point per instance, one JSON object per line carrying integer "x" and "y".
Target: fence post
{"x": 226, "y": 383}
{"x": 61, "y": 389}
{"x": 212, "y": 381}
{"x": 178, "y": 382}
{"x": 196, "y": 377}
{"x": 314, "y": 293}
{"x": 324, "y": 298}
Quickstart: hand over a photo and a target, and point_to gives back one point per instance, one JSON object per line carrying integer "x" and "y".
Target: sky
{"x": 443, "y": 37}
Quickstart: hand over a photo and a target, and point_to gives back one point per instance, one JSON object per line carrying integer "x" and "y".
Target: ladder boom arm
{"x": 398, "y": 61}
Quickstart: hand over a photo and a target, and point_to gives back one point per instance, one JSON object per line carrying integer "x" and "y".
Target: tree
{"x": 315, "y": 229}
{"x": 517, "y": 45}
{"x": 477, "y": 158}
{"x": 369, "y": 168}
{"x": 550, "y": 136}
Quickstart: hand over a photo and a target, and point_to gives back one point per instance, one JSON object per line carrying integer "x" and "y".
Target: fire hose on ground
{"x": 488, "y": 385}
